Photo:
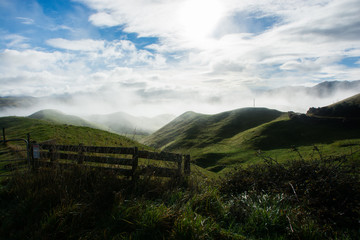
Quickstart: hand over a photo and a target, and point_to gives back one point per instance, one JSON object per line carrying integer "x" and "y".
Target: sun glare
{"x": 198, "y": 18}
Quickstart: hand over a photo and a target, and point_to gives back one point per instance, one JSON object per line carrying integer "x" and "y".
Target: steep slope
{"x": 348, "y": 108}
{"x": 193, "y": 130}
{"x": 56, "y": 116}
{"x": 124, "y": 123}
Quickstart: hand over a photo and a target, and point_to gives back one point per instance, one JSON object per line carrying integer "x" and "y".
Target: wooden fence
{"x": 128, "y": 161}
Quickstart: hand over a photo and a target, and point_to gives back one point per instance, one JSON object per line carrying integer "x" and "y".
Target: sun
{"x": 198, "y": 18}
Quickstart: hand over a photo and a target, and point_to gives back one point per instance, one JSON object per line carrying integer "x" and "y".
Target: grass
{"x": 276, "y": 138}
{"x": 293, "y": 200}
{"x": 309, "y": 191}
{"x": 40, "y": 130}
{"x": 192, "y": 130}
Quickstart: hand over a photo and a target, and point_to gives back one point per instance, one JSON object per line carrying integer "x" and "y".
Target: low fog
{"x": 154, "y": 103}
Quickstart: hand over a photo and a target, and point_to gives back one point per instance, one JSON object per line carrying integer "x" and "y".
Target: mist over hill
{"x": 83, "y": 104}
{"x": 124, "y": 123}
{"x": 56, "y": 116}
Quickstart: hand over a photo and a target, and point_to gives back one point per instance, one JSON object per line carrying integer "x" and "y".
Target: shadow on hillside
{"x": 210, "y": 159}
{"x": 300, "y": 132}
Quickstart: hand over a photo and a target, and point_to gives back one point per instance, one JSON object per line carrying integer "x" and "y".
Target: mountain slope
{"x": 194, "y": 130}
{"x": 348, "y": 108}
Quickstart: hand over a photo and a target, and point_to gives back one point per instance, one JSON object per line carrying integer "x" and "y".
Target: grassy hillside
{"x": 274, "y": 134}
{"x": 56, "y": 116}
{"x": 348, "y": 108}
{"x": 193, "y": 130}
{"x": 40, "y": 130}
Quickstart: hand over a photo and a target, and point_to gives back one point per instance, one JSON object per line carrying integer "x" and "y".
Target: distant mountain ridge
{"x": 321, "y": 90}
{"x": 120, "y": 123}
{"x": 124, "y": 123}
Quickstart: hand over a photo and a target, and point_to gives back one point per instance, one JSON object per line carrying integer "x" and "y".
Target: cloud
{"x": 76, "y": 45}
{"x": 207, "y": 55}
{"x": 16, "y": 41}
{"x": 103, "y": 19}
{"x": 27, "y": 21}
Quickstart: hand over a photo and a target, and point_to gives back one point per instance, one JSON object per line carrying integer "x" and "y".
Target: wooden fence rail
{"x": 129, "y": 158}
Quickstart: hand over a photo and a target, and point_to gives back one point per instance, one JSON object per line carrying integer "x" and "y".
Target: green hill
{"x": 348, "y": 108}
{"x": 193, "y": 130}
{"x": 237, "y": 137}
{"x": 56, "y": 116}
{"x": 41, "y": 130}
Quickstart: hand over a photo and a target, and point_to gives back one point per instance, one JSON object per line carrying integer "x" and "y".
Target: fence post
{"x": 52, "y": 152}
{"x": 29, "y": 151}
{"x": 4, "y": 138}
{"x": 80, "y": 159}
{"x": 135, "y": 162}
{"x": 179, "y": 160}
{"x": 187, "y": 165}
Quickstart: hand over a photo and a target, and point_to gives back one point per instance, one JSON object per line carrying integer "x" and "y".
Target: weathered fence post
{"x": 4, "y": 137}
{"x": 29, "y": 151}
{"x": 187, "y": 165}
{"x": 135, "y": 162}
{"x": 80, "y": 159}
{"x": 53, "y": 155}
{"x": 34, "y": 155}
{"x": 179, "y": 160}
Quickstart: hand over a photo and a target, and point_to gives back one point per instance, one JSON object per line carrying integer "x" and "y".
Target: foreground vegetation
{"x": 317, "y": 199}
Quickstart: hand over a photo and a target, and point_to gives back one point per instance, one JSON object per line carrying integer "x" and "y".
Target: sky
{"x": 148, "y": 57}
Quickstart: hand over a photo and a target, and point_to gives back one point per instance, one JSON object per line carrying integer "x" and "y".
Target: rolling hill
{"x": 41, "y": 130}
{"x": 56, "y": 116}
{"x": 236, "y": 137}
{"x": 194, "y": 130}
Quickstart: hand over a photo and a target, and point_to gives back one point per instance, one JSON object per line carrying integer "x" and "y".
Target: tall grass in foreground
{"x": 296, "y": 200}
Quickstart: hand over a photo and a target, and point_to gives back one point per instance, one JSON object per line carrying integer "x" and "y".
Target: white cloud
{"x": 27, "y": 21}
{"x": 103, "y": 19}
{"x": 16, "y": 41}
{"x": 76, "y": 45}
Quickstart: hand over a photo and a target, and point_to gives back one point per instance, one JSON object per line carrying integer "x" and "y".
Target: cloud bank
{"x": 169, "y": 56}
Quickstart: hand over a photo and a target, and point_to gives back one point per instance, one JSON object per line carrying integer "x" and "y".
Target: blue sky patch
{"x": 351, "y": 62}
